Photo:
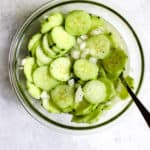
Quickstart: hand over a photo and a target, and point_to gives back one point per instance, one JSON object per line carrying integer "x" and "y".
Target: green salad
{"x": 74, "y": 64}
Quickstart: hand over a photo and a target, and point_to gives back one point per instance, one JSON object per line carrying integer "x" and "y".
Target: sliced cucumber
{"x": 50, "y": 40}
{"x": 28, "y": 68}
{"x": 97, "y": 22}
{"x": 99, "y": 46}
{"x": 115, "y": 38}
{"x": 89, "y": 118}
{"x": 62, "y": 39}
{"x": 122, "y": 91}
{"x": 54, "y": 19}
{"x": 102, "y": 72}
{"x": 60, "y": 68}
{"x": 50, "y": 106}
{"x": 63, "y": 96}
{"x": 56, "y": 49}
{"x": 34, "y": 91}
{"x": 130, "y": 81}
{"x": 39, "y": 63}
{"x": 111, "y": 92}
{"x": 46, "y": 48}
{"x": 83, "y": 108}
{"x": 116, "y": 62}
{"x": 85, "y": 70}
{"x": 95, "y": 91}
{"x": 33, "y": 52}
{"x": 43, "y": 79}
{"x": 78, "y": 22}
{"x": 43, "y": 58}
{"x": 34, "y": 39}
{"x": 59, "y": 51}
{"x": 68, "y": 109}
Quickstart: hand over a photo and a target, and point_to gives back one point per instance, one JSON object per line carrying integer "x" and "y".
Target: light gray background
{"x": 18, "y": 131}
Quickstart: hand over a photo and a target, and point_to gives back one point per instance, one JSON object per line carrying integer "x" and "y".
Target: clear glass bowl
{"x": 18, "y": 51}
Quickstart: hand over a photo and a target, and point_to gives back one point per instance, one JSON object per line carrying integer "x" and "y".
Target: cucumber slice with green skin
{"x": 39, "y": 63}
{"x": 102, "y": 72}
{"x": 122, "y": 92}
{"x": 33, "y": 51}
{"x": 116, "y": 62}
{"x": 34, "y": 39}
{"x": 67, "y": 110}
{"x": 28, "y": 68}
{"x": 99, "y": 46}
{"x": 114, "y": 36}
{"x": 50, "y": 106}
{"x": 85, "y": 70}
{"x": 113, "y": 77}
{"x": 63, "y": 96}
{"x": 34, "y": 91}
{"x": 62, "y": 39}
{"x": 83, "y": 108}
{"x": 97, "y": 22}
{"x": 114, "y": 40}
{"x": 111, "y": 92}
{"x": 56, "y": 49}
{"x": 42, "y": 57}
{"x": 94, "y": 116}
{"x": 60, "y": 68}
{"x": 78, "y": 22}
{"x": 46, "y": 48}
{"x": 130, "y": 81}
{"x": 89, "y": 118}
{"x": 54, "y": 19}
{"x": 95, "y": 91}
{"x": 50, "y": 40}
{"x": 43, "y": 79}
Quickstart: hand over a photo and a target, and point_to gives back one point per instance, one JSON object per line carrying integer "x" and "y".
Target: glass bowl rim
{"x": 31, "y": 110}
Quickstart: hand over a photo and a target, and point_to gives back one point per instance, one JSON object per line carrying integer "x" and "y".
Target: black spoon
{"x": 143, "y": 110}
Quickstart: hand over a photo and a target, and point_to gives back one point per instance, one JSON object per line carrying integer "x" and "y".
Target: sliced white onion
{"x": 83, "y": 37}
{"x": 23, "y": 62}
{"x": 97, "y": 31}
{"x": 75, "y": 54}
{"x": 93, "y": 60}
{"x": 82, "y": 45}
{"x": 71, "y": 82}
{"x": 44, "y": 95}
{"x": 79, "y": 94}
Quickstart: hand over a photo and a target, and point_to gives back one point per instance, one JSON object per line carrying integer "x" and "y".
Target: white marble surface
{"x": 18, "y": 131}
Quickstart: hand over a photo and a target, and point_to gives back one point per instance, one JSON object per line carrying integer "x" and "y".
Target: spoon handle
{"x": 143, "y": 110}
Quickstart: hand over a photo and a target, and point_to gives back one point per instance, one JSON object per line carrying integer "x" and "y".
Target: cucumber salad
{"x": 74, "y": 64}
